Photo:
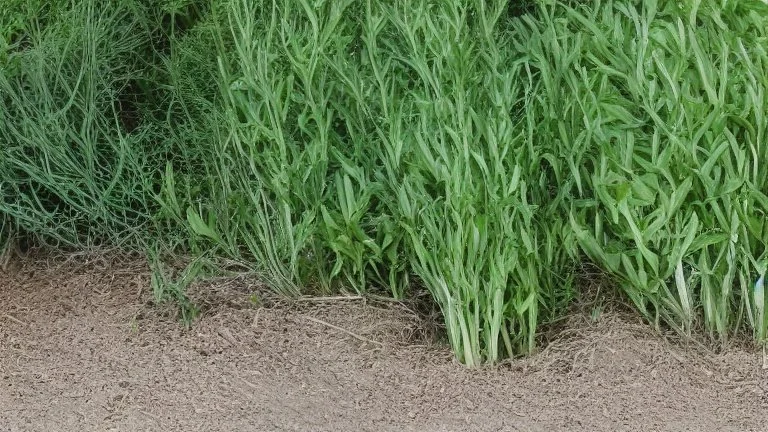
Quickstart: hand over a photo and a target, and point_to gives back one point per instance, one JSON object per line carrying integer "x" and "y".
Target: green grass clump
{"x": 362, "y": 152}
{"x": 475, "y": 197}
{"x": 70, "y": 172}
{"x": 661, "y": 111}
{"x": 478, "y": 149}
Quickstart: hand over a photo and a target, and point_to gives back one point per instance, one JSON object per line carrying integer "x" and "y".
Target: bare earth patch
{"x": 82, "y": 350}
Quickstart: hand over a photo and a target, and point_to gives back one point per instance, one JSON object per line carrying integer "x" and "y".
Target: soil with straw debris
{"x": 83, "y": 349}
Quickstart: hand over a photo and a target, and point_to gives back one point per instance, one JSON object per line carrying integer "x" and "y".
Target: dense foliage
{"x": 481, "y": 149}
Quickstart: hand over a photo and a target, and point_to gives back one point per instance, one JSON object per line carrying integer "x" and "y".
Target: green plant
{"x": 661, "y": 110}
{"x": 68, "y": 173}
{"x": 476, "y": 147}
{"x": 167, "y": 289}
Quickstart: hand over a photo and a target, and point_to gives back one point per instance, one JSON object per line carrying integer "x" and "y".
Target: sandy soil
{"x": 82, "y": 349}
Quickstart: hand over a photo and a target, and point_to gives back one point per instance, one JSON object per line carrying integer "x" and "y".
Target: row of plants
{"x": 483, "y": 150}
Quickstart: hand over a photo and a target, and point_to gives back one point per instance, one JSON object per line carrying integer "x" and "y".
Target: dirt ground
{"x": 82, "y": 349}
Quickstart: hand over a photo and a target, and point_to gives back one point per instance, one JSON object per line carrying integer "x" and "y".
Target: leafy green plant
{"x": 479, "y": 148}
{"x": 167, "y": 289}
{"x": 664, "y": 108}
{"x": 485, "y": 234}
